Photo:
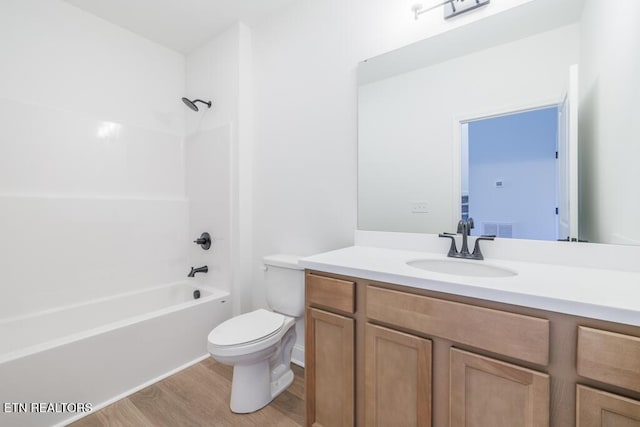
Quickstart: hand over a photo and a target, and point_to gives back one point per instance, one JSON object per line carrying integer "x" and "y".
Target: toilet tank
{"x": 284, "y": 280}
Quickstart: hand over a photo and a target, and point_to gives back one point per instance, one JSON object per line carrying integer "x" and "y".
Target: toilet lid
{"x": 254, "y": 326}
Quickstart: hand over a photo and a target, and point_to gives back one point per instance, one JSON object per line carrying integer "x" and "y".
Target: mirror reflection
{"x": 510, "y": 176}
{"x": 527, "y": 125}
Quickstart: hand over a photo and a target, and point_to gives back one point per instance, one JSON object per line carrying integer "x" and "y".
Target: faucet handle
{"x": 477, "y": 254}
{"x": 204, "y": 241}
{"x": 453, "y": 250}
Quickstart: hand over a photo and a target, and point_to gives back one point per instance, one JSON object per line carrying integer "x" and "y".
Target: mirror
{"x": 420, "y": 108}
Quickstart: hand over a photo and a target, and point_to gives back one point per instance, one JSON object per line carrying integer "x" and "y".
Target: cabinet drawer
{"x": 328, "y": 292}
{"x": 513, "y": 335}
{"x": 609, "y": 357}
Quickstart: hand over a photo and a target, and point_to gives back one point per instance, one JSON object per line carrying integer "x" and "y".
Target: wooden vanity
{"x": 380, "y": 354}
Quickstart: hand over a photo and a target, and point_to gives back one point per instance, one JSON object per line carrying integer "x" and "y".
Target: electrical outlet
{"x": 419, "y": 207}
{"x": 457, "y": 7}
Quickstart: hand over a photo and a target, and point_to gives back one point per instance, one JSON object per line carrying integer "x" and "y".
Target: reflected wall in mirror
{"x": 417, "y": 104}
{"x": 509, "y": 174}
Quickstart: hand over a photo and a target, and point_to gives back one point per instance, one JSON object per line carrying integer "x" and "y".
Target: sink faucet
{"x": 194, "y": 271}
{"x": 464, "y": 228}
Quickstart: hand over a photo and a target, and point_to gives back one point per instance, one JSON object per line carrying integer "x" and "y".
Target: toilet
{"x": 258, "y": 344}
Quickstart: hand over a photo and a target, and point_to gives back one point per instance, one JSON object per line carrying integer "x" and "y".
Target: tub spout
{"x": 195, "y": 271}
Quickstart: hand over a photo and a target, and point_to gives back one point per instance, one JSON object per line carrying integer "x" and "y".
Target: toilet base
{"x": 255, "y": 385}
{"x": 250, "y": 388}
{"x": 281, "y": 383}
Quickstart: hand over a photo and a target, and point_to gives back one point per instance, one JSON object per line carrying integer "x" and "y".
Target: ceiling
{"x": 181, "y": 25}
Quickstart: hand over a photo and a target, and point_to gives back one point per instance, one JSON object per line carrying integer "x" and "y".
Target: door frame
{"x": 467, "y": 117}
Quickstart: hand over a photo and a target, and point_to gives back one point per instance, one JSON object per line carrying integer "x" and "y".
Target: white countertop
{"x": 596, "y": 293}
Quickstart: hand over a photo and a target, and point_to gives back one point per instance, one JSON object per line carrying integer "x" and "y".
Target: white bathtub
{"x": 98, "y": 352}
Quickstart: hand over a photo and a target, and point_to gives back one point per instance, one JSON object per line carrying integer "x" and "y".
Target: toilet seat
{"x": 248, "y": 332}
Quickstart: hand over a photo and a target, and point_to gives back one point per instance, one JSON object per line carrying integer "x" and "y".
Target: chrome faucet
{"x": 464, "y": 228}
{"x": 194, "y": 271}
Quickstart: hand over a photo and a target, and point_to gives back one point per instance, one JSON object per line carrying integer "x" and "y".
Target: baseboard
{"x": 297, "y": 355}
{"x": 131, "y": 391}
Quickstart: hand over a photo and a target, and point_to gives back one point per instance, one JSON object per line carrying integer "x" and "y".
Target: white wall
{"x": 305, "y": 107}
{"x": 305, "y": 144}
{"x": 305, "y": 58}
{"x": 608, "y": 124}
{"x": 92, "y": 193}
{"x": 406, "y": 124}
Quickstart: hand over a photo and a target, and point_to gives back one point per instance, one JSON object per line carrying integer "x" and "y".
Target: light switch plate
{"x": 457, "y": 7}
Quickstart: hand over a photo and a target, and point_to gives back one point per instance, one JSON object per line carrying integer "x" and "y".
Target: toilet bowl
{"x": 259, "y": 344}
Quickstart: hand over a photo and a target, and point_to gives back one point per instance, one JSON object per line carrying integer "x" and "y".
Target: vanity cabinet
{"x": 482, "y": 391}
{"x": 381, "y": 354}
{"x": 329, "y": 352}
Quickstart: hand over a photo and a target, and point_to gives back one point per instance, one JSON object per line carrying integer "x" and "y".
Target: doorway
{"x": 510, "y": 174}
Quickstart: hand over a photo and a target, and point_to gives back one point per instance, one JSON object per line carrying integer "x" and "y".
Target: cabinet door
{"x": 329, "y": 379}
{"x": 398, "y": 378}
{"x": 490, "y": 393}
{"x": 597, "y": 408}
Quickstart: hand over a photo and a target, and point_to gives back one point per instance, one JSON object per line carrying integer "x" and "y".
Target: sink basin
{"x": 461, "y": 268}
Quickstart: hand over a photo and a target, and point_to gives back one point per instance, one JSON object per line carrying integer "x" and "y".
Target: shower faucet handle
{"x": 204, "y": 241}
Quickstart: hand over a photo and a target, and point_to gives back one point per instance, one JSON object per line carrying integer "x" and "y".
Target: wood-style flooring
{"x": 198, "y": 396}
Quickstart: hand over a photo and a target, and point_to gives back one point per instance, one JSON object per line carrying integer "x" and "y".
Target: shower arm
{"x": 208, "y": 103}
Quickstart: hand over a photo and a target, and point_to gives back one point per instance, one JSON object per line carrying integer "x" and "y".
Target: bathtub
{"x": 59, "y": 365}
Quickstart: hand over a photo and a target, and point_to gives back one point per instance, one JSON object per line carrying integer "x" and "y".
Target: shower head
{"x": 192, "y": 104}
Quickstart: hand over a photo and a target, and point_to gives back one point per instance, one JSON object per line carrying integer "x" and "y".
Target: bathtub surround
{"x": 218, "y": 148}
{"x": 208, "y": 194}
{"x": 93, "y": 202}
{"x": 84, "y": 105}
{"x": 96, "y": 219}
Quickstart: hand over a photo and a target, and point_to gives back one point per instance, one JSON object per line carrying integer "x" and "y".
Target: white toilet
{"x": 258, "y": 344}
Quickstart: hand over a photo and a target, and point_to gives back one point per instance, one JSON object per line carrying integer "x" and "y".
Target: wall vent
{"x": 498, "y": 229}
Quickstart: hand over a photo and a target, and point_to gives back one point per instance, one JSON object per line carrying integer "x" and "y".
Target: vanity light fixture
{"x": 418, "y": 9}
{"x": 456, "y": 7}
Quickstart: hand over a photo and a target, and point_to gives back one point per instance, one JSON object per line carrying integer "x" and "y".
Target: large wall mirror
{"x": 527, "y": 121}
